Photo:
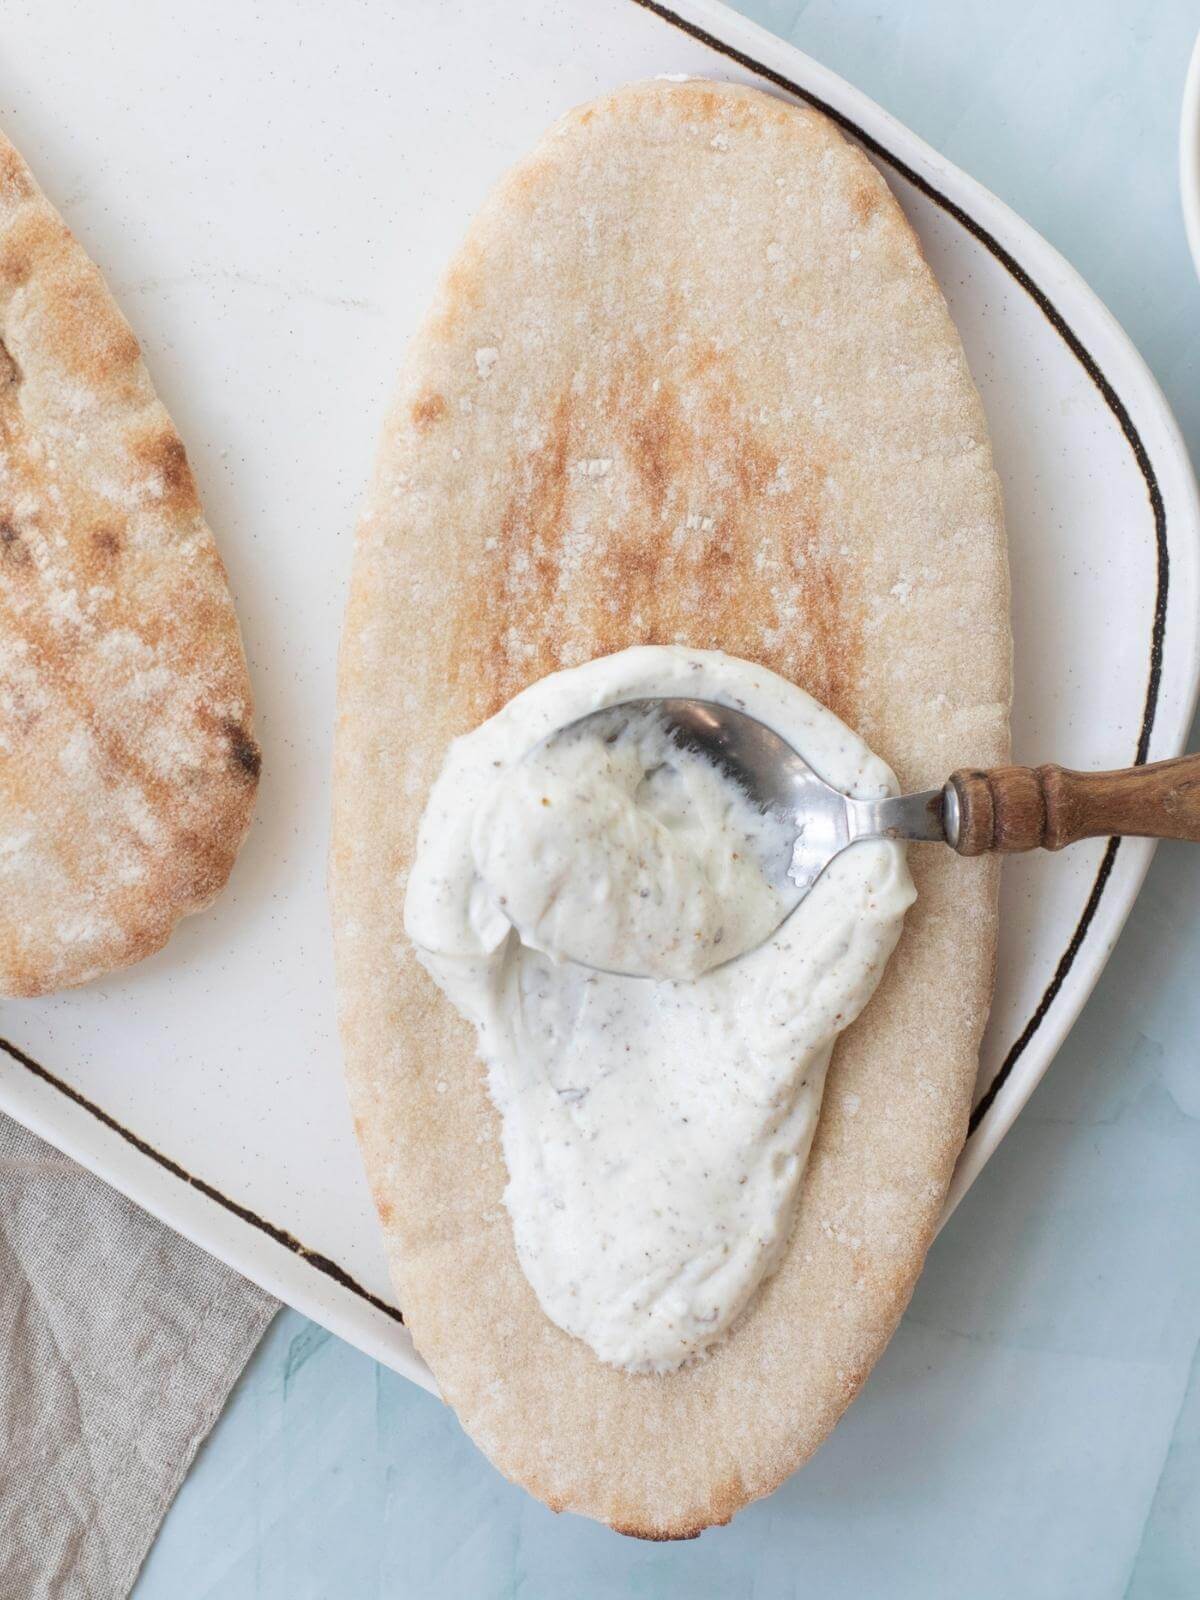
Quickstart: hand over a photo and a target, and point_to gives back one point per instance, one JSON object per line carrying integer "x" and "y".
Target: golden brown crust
{"x": 688, "y": 378}
{"x": 128, "y": 765}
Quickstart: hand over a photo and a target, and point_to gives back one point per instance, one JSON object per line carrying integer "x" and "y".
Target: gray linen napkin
{"x": 119, "y": 1342}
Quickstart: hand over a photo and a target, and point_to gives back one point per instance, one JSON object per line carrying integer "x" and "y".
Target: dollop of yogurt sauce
{"x": 655, "y": 1128}
{"x": 614, "y": 845}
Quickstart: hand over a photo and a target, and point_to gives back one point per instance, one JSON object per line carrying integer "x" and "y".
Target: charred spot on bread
{"x": 243, "y": 750}
{"x": 14, "y": 552}
{"x": 163, "y": 455}
{"x": 10, "y": 373}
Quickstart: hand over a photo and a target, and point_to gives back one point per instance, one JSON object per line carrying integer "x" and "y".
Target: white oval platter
{"x": 270, "y": 195}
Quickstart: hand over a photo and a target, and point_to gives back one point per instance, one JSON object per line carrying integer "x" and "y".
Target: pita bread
{"x": 688, "y": 379}
{"x": 127, "y": 758}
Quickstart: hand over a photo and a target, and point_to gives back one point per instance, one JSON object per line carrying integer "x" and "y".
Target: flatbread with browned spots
{"x": 688, "y": 379}
{"x": 127, "y": 758}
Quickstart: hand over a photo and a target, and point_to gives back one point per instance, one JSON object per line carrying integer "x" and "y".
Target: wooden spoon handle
{"x": 1027, "y": 808}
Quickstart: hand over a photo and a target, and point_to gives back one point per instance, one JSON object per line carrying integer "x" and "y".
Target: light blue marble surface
{"x": 1034, "y": 1429}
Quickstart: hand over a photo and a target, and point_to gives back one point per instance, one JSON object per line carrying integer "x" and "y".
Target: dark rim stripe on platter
{"x": 281, "y": 1236}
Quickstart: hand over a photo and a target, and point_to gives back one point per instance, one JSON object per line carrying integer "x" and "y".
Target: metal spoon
{"x": 1006, "y": 808}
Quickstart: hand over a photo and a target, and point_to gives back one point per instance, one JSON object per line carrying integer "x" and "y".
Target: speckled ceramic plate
{"x": 271, "y": 196}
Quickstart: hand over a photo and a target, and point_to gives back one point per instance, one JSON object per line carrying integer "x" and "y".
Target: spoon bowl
{"x": 778, "y": 779}
{"x": 1004, "y": 809}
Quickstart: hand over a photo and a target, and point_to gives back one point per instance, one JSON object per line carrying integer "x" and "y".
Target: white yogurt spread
{"x": 614, "y": 846}
{"x": 654, "y": 1130}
